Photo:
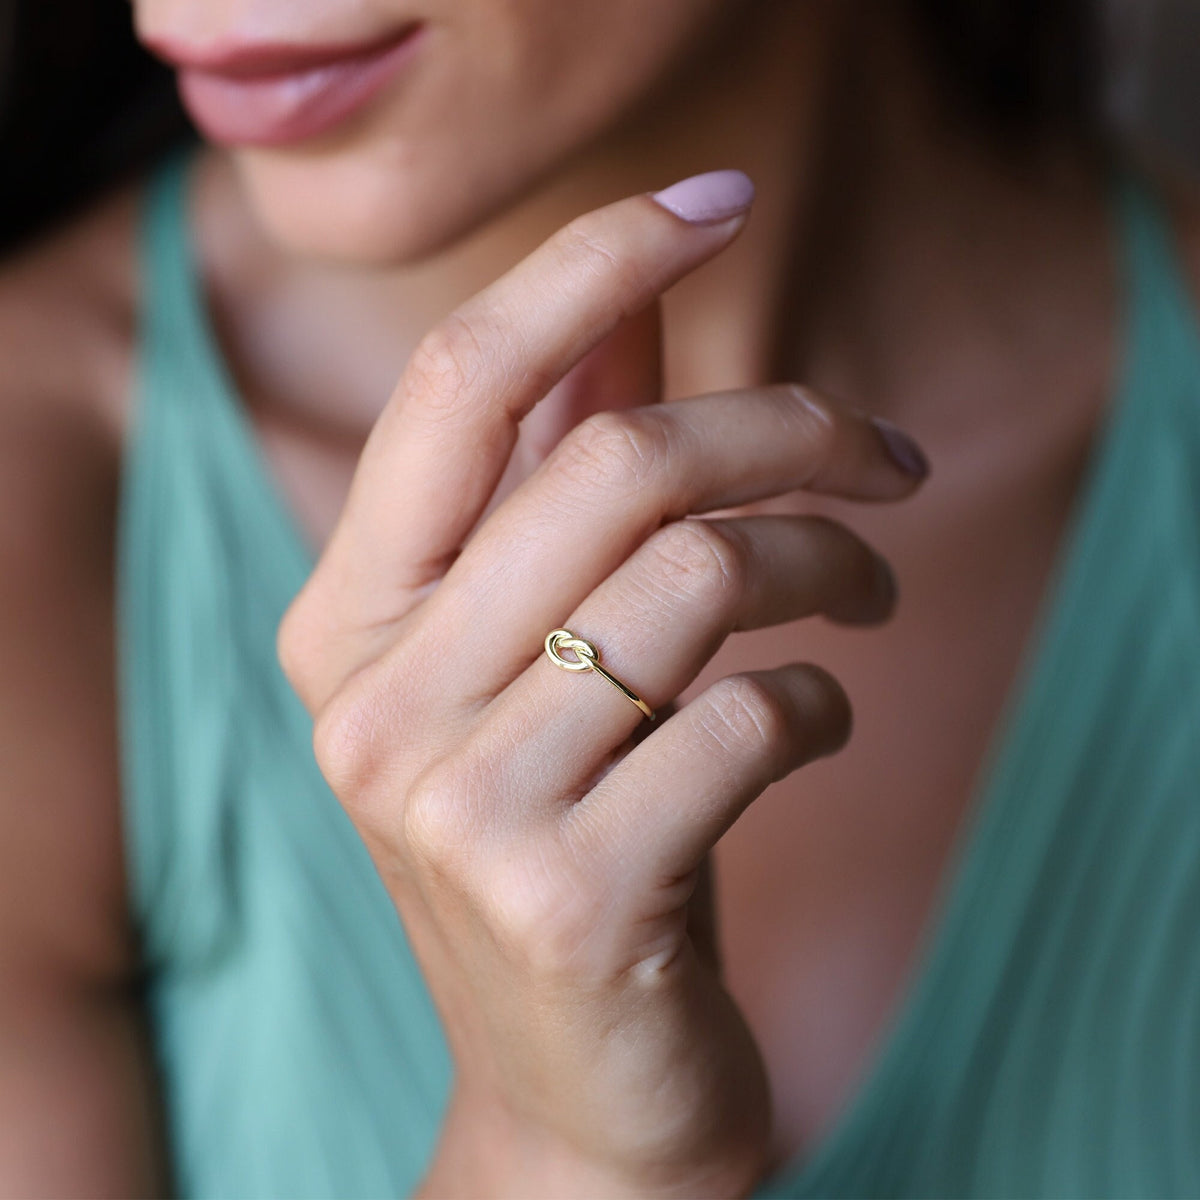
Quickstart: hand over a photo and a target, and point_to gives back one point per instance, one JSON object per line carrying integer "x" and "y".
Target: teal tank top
{"x": 1048, "y": 1041}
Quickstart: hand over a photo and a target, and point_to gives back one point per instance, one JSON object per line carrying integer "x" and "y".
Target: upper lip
{"x": 246, "y": 60}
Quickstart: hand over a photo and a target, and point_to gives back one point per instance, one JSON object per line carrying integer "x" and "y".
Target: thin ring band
{"x": 588, "y": 659}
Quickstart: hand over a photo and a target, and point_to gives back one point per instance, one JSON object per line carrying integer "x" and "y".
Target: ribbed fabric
{"x": 1049, "y": 1041}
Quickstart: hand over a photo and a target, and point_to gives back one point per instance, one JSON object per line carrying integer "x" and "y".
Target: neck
{"x": 937, "y": 255}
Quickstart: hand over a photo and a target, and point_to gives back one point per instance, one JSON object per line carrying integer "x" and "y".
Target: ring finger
{"x": 656, "y": 622}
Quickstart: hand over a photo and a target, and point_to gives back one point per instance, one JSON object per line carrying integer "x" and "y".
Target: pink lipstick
{"x": 268, "y": 94}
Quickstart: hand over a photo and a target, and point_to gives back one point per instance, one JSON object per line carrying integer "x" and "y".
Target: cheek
{"x": 502, "y": 92}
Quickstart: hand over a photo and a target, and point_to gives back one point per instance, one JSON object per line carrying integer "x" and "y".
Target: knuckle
{"x": 437, "y": 822}
{"x": 306, "y": 643}
{"x": 615, "y": 450}
{"x": 295, "y": 647}
{"x": 343, "y": 741}
{"x": 816, "y": 423}
{"x": 753, "y": 715}
{"x": 787, "y": 716}
{"x": 584, "y": 250}
{"x": 700, "y": 559}
{"x": 354, "y": 736}
{"x": 445, "y": 363}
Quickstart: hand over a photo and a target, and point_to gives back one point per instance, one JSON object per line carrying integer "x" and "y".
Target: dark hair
{"x": 82, "y": 105}
{"x": 1020, "y": 65}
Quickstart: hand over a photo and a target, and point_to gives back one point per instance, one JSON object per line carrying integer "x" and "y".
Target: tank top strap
{"x": 163, "y": 252}
{"x": 300, "y": 1051}
{"x": 186, "y": 371}
{"x": 207, "y": 563}
{"x": 173, "y": 327}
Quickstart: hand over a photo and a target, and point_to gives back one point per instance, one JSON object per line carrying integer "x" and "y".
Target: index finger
{"x": 441, "y": 445}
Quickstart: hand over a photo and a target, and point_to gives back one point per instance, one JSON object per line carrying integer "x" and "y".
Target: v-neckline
{"x": 914, "y": 1008}
{"x": 251, "y": 466}
{"x": 899, "y": 1037}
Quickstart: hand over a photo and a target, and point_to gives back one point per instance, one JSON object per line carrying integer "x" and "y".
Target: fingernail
{"x": 709, "y": 198}
{"x": 906, "y": 454}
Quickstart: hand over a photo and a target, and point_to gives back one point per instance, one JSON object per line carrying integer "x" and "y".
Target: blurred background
{"x": 81, "y": 105}
{"x": 1153, "y": 73}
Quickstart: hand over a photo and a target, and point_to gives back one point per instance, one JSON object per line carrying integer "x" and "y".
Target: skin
{"x": 549, "y": 911}
{"x": 910, "y": 272}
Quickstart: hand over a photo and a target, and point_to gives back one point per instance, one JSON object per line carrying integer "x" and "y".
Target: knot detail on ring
{"x": 563, "y": 639}
{"x": 587, "y": 658}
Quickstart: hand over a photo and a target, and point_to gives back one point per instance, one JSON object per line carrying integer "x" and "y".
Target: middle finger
{"x": 617, "y": 478}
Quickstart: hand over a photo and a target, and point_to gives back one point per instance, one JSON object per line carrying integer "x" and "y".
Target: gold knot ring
{"x": 587, "y": 658}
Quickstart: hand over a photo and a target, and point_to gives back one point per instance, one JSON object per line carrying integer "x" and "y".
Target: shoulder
{"x": 68, "y": 303}
{"x": 67, "y": 320}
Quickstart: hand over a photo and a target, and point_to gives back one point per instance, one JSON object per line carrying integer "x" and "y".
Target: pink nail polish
{"x": 709, "y": 198}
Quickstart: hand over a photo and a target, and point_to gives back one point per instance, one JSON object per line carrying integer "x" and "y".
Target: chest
{"x": 826, "y": 886}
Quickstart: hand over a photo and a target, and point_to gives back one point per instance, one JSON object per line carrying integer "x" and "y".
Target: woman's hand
{"x": 542, "y": 846}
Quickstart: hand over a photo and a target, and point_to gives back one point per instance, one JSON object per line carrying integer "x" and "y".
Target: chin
{"x": 482, "y": 103}
{"x": 366, "y": 209}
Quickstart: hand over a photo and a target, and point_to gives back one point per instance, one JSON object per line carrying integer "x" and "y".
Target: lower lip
{"x": 276, "y": 109}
